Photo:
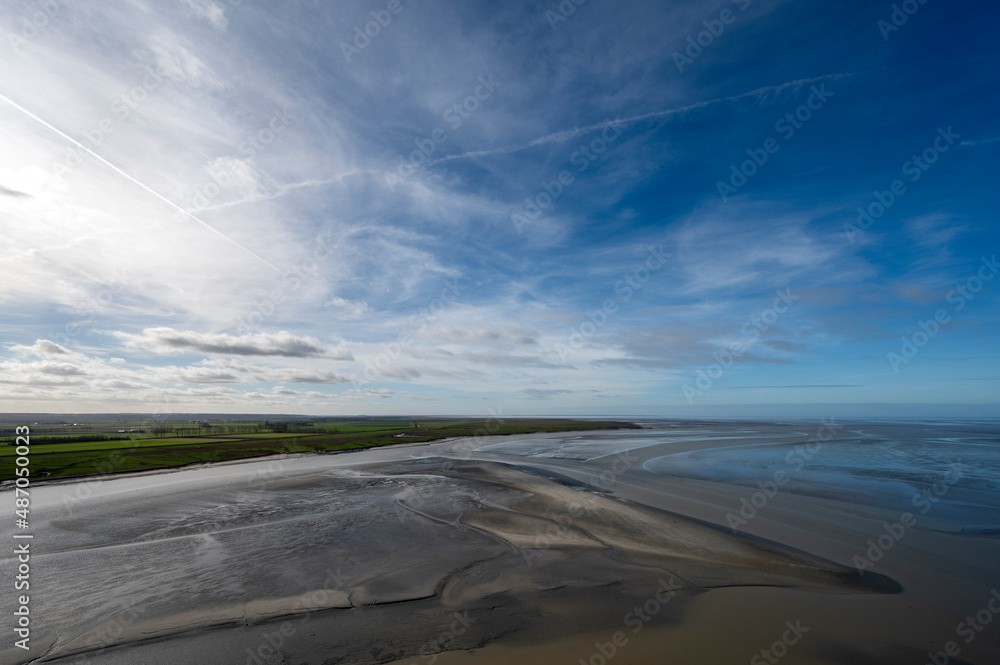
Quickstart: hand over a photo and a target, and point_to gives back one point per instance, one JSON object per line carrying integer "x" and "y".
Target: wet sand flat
{"x": 565, "y": 548}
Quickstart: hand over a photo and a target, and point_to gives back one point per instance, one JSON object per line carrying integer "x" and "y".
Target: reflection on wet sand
{"x": 413, "y": 551}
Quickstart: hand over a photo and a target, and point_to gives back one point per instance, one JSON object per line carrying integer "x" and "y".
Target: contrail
{"x": 559, "y": 137}
{"x": 126, "y": 175}
{"x": 284, "y": 189}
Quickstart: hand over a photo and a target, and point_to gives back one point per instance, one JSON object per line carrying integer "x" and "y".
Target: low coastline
{"x": 96, "y": 475}
{"x": 373, "y": 558}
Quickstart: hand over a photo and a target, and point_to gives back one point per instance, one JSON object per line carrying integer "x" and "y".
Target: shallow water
{"x": 952, "y": 473}
{"x": 228, "y": 546}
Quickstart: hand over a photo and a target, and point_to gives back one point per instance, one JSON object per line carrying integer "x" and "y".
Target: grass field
{"x": 143, "y": 452}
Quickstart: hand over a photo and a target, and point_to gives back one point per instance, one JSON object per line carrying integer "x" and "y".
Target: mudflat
{"x": 546, "y": 548}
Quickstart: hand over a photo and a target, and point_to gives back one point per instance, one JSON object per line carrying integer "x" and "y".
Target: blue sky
{"x": 633, "y": 208}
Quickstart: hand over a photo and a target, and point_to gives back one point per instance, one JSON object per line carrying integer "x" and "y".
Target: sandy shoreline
{"x": 8, "y": 485}
{"x": 444, "y": 555}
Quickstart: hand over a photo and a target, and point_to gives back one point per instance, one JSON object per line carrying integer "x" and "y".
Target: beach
{"x": 682, "y": 542}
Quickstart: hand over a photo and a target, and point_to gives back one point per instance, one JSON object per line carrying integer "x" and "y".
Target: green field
{"x": 143, "y": 451}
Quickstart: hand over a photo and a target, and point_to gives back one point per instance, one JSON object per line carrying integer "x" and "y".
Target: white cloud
{"x": 349, "y": 308}
{"x": 95, "y": 245}
{"x": 168, "y": 341}
{"x": 755, "y": 245}
{"x": 238, "y": 372}
{"x": 211, "y": 11}
{"x": 501, "y": 335}
{"x": 171, "y": 59}
{"x": 366, "y": 393}
{"x": 47, "y": 372}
